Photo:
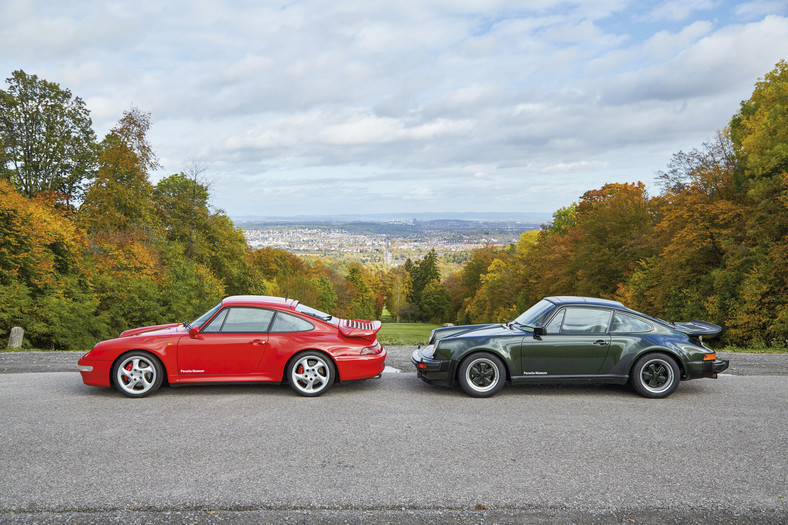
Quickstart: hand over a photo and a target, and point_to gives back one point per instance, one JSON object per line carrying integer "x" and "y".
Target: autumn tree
{"x": 398, "y": 284}
{"x": 760, "y": 136}
{"x": 45, "y": 284}
{"x": 362, "y": 297}
{"x": 120, "y": 199}
{"x": 48, "y": 144}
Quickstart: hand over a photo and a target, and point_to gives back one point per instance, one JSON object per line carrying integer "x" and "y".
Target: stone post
{"x": 15, "y": 340}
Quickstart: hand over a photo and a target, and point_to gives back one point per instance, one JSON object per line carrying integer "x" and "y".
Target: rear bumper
{"x": 706, "y": 368}
{"x": 361, "y": 367}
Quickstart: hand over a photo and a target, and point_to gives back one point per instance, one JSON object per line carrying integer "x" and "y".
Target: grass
{"x": 406, "y": 334}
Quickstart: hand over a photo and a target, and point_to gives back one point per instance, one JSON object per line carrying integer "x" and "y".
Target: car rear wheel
{"x": 482, "y": 375}
{"x": 310, "y": 374}
{"x": 655, "y": 375}
{"x": 137, "y": 374}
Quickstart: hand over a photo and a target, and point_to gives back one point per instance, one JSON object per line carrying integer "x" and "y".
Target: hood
{"x": 697, "y": 328}
{"x": 359, "y": 328}
{"x": 167, "y": 328}
{"x": 471, "y": 330}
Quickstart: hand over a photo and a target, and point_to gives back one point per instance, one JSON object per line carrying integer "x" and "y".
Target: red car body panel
{"x": 195, "y": 357}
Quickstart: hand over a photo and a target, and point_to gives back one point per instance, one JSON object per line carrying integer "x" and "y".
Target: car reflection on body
{"x": 571, "y": 339}
{"x": 242, "y": 339}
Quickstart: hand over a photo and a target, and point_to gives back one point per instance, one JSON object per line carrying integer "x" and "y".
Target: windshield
{"x": 313, "y": 312}
{"x": 536, "y": 314}
{"x": 204, "y": 317}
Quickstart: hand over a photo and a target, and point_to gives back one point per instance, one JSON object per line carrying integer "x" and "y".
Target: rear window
{"x": 628, "y": 323}
{"x": 290, "y": 323}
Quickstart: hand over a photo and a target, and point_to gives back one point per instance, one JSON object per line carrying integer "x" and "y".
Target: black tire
{"x": 310, "y": 373}
{"x": 137, "y": 374}
{"x": 655, "y": 375}
{"x": 481, "y": 375}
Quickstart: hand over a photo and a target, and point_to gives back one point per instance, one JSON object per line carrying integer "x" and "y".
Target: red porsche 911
{"x": 242, "y": 339}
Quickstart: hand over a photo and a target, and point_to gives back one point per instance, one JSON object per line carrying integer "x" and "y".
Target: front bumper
{"x": 95, "y": 373}
{"x": 432, "y": 371}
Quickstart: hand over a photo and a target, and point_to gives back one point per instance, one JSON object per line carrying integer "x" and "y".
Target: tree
{"x": 760, "y": 137}
{"x": 435, "y": 301}
{"x": 45, "y": 283}
{"x": 362, "y": 303}
{"x": 120, "y": 199}
{"x": 398, "y": 287}
{"x": 47, "y": 139}
{"x": 182, "y": 202}
{"x": 422, "y": 273}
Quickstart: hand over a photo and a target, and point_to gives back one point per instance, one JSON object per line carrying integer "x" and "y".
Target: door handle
{"x": 258, "y": 342}
{"x": 601, "y": 342}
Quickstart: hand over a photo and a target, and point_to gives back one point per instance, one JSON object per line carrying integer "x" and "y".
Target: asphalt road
{"x": 392, "y": 450}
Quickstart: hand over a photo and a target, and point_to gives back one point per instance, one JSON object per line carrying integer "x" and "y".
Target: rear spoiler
{"x": 698, "y": 328}
{"x": 359, "y": 328}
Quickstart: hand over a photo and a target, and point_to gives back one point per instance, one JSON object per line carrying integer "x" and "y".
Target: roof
{"x": 590, "y": 301}
{"x": 260, "y": 300}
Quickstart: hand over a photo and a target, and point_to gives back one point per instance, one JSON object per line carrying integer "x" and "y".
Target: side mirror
{"x": 539, "y": 331}
{"x": 194, "y": 332}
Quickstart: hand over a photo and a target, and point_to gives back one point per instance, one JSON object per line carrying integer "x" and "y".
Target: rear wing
{"x": 359, "y": 328}
{"x": 697, "y": 328}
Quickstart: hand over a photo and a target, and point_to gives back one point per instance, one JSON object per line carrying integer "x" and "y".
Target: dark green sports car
{"x": 571, "y": 339}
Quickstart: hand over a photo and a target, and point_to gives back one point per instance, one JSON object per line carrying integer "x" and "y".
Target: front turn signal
{"x": 710, "y": 357}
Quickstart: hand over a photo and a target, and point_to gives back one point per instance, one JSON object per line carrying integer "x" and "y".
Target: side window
{"x": 290, "y": 323}
{"x": 554, "y": 326}
{"x": 585, "y": 321}
{"x": 247, "y": 320}
{"x": 216, "y": 323}
{"x": 628, "y": 323}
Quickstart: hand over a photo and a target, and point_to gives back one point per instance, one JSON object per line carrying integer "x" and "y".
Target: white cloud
{"x": 484, "y": 104}
{"x": 678, "y": 10}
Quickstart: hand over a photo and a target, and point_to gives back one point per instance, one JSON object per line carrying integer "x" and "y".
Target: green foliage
{"x": 435, "y": 301}
{"x": 47, "y": 141}
{"x": 422, "y": 273}
{"x": 362, "y": 299}
{"x": 398, "y": 284}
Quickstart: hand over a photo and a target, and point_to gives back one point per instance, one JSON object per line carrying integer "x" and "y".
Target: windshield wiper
{"x": 187, "y": 325}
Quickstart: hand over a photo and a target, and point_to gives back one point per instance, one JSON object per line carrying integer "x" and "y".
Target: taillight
{"x": 371, "y": 350}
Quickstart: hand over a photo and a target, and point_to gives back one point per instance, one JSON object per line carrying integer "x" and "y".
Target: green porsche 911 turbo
{"x": 571, "y": 339}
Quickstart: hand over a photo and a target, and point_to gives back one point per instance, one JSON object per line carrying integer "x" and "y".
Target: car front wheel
{"x": 137, "y": 374}
{"x": 482, "y": 375}
{"x": 310, "y": 374}
{"x": 655, "y": 375}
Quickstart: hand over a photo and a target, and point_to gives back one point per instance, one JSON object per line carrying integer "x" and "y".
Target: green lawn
{"x": 401, "y": 334}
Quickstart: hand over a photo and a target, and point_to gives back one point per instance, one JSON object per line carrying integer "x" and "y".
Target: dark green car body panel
{"x": 605, "y": 356}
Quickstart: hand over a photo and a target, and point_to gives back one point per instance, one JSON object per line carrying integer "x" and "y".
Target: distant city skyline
{"x": 355, "y": 107}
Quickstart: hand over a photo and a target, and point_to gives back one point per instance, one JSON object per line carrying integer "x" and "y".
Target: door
{"x": 576, "y": 343}
{"x": 232, "y": 343}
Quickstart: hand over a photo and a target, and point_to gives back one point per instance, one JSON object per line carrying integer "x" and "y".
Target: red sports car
{"x": 242, "y": 339}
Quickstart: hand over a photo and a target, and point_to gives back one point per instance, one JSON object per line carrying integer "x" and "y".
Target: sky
{"x": 314, "y": 107}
